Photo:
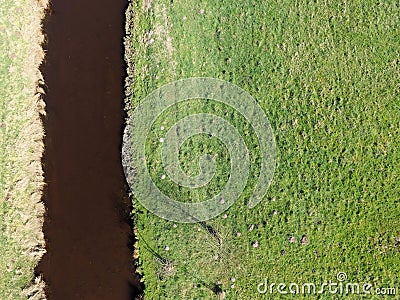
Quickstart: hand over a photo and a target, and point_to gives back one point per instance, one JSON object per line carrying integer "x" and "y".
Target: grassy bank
{"x": 327, "y": 75}
{"x": 21, "y": 181}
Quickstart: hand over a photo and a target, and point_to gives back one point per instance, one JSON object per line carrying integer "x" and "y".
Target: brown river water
{"x": 87, "y": 226}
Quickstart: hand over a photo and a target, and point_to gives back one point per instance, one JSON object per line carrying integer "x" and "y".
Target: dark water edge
{"x": 88, "y": 231}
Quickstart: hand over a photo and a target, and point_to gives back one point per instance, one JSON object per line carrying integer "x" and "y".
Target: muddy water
{"x": 87, "y": 225}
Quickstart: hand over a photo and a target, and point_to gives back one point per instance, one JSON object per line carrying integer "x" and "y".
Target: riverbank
{"x": 21, "y": 148}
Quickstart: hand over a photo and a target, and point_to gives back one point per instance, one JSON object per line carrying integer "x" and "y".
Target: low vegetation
{"x": 327, "y": 75}
{"x": 21, "y": 147}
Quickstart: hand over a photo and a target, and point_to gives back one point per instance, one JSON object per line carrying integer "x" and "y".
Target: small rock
{"x": 283, "y": 252}
{"x": 221, "y": 295}
{"x": 166, "y": 248}
{"x": 163, "y": 176}
{"x": 251, "y": 227}
{"x": 255, "y": 244}
{"x": 238, "y": 234}
{"x": 232, "y": 286}
{"x": 233, "y": 279}
{"x": 292, "y": 239}
{"x": 304, "y": 240}
{"x": 225, "y": 216}
{"x": 162, "y": 127}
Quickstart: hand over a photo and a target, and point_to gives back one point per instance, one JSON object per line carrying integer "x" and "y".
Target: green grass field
{"x": 327, "y": 74}
{"x": 21, "y": 212}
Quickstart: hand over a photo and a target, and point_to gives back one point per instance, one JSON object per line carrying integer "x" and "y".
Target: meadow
{"x": 326, "y": 73}
{"x": 21, "y": 147}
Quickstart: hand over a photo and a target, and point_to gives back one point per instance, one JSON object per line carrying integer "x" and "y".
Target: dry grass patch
{"x": 21, "y": 147}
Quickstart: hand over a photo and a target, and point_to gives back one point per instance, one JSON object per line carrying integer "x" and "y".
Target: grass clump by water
{"x": 21, "y": 133}
{"x": 327, "y": 75}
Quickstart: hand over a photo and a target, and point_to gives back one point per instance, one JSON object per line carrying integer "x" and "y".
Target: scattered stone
{"x": 162, "y": 176}
{"x": 251, "y": 227}
{"x": 221, "y": 295}
{"x": 233, "y": 279}
{"x": 166, "y": 248}
{"x": 304, "y": 240}
{"x": 174, "y": 225}
{"x": 225, "y": 216}
{"x": 292, "y": 239}
{"x": 201, "y": 11}
{"x": 255, "y": 244}
{"x": 222, "y": 201}
{"x": 238, "y": 234}
{"x": 162, "y": 127}
{"x": 283, "y": 252}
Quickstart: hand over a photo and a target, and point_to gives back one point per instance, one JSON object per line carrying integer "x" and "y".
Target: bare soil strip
{"x": 87, "y": 230}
